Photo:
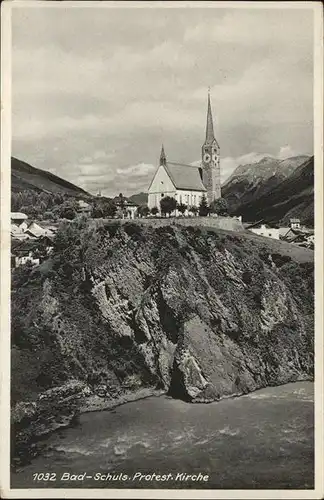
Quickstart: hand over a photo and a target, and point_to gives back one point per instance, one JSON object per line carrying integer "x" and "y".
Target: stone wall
{"x": 228, "y": 223}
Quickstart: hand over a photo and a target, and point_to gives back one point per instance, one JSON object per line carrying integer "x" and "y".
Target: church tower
{"x": 162, "y": 157}
{"x": 211, "y": 160}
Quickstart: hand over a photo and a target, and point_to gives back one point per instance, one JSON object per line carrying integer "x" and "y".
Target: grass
{"x": 296, "y": 253}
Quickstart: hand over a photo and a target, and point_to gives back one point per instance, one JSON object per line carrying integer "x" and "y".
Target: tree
{"x": 122, "y": 205}
{"x": 219, "y": 206}
{"x": 58, "y": 199}
{"x": 48, "y": 215}
{"x": 203, "y": 207}
{"x": 121, "y": 200}
{"x": 194, "y": 209}
{"x": 67, "y": 210}
{"x": 168, "y": 205}
{"x": 143, "y": 211}
{"x": 181, "y": 207}
{"x": 97, "y": 211}
{"x": 109, "y": 208}
{"x": 154, "y": 210}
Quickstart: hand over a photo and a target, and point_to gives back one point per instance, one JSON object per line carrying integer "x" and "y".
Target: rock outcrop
{"x": 118, "y": 309}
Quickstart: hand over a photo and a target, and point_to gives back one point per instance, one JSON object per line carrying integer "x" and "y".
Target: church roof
{"x": 184, "y": 176}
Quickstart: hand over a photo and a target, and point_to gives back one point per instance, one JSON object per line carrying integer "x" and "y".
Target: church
{"x": 186, "y": 183}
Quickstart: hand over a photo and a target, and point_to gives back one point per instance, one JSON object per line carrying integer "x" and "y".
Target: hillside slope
{"x": 139, "y": 198}
{"x": 26, "y": 177}
{"x": 248, "y": 182}
{"x": 293, "y": 197}
{"x": 199, "y": 314}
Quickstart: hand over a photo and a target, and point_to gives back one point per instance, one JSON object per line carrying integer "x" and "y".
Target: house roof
{"x": 14, "y": 229}
{"x": 261, "y": 226}
{"x": 283, "y": 231}
{"x": 83, "y": 204}
{"x": 22, "y": 247}
{"x": 37, "y": 231}
{"x": 19, "y": 236}
{"x": 18, "y": 215}
{"x": 184, "y": 176}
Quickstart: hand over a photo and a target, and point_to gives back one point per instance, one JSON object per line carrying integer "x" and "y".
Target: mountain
{"x": 249, "y": 182}
{"x": 26, "y": 177}
{"x": 293, "y": 197}
{"x": 139, "y": 198}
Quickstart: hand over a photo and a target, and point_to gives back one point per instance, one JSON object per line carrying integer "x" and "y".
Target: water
{"x": 261, "y": 440}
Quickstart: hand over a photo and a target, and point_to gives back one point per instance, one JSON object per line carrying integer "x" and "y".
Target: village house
{"x": 288, "y": 232}
{"x": 297, "y": 234}
{"x": 294, "y": 233}
{"x": 23, "y": 252}
{"x": 126, "y": 208}
{"x": 295, "y": 223}
{"x": 36, "y": 231}
{"x": 33, "y": 251}
{"x": 19, "y": 220}
{"x": 84, "y": 208}
{"x": 17, "y": 232}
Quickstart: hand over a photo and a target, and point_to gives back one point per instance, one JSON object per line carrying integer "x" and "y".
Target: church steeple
{"x": 209, "y": 127}
{"x": 162, "y": 156}
{"x": 211, "y": 159}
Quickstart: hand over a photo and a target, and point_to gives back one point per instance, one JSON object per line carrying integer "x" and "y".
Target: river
{"x": 261, "y": 440}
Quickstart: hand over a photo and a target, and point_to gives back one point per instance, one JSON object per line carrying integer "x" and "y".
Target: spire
{"x": 162, "y": 156}
{"x": 209, "y": 128}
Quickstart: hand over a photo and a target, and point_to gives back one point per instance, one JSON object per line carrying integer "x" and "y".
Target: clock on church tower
{"x": 211, "y": 160}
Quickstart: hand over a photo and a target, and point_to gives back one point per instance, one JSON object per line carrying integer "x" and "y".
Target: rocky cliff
{"x": 121, "y": 309}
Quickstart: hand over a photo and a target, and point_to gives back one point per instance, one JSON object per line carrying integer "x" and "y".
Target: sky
{"x": 96, "y": 91}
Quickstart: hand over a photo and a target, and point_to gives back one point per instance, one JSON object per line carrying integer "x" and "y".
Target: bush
{"x": 194, "y": 210}
{"x": 112, "y": 228}
{"x": 219, "y": 207}
{"x": 181, "y": 207}
{"x": 134, "y": 230}
{"x": 143, "y": 211}
{"x": 203, "y": 207}
{"x": 168, "y": 205}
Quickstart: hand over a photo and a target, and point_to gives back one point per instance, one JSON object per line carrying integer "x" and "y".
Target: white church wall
{"x": 161, "y": 185}
{"x": 189, "y": 198}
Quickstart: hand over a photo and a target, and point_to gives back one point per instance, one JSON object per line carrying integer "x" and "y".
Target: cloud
{"x": 104, "y": 87}
{"x": 141, "y": 169}
{"x": 286, "y": 151}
